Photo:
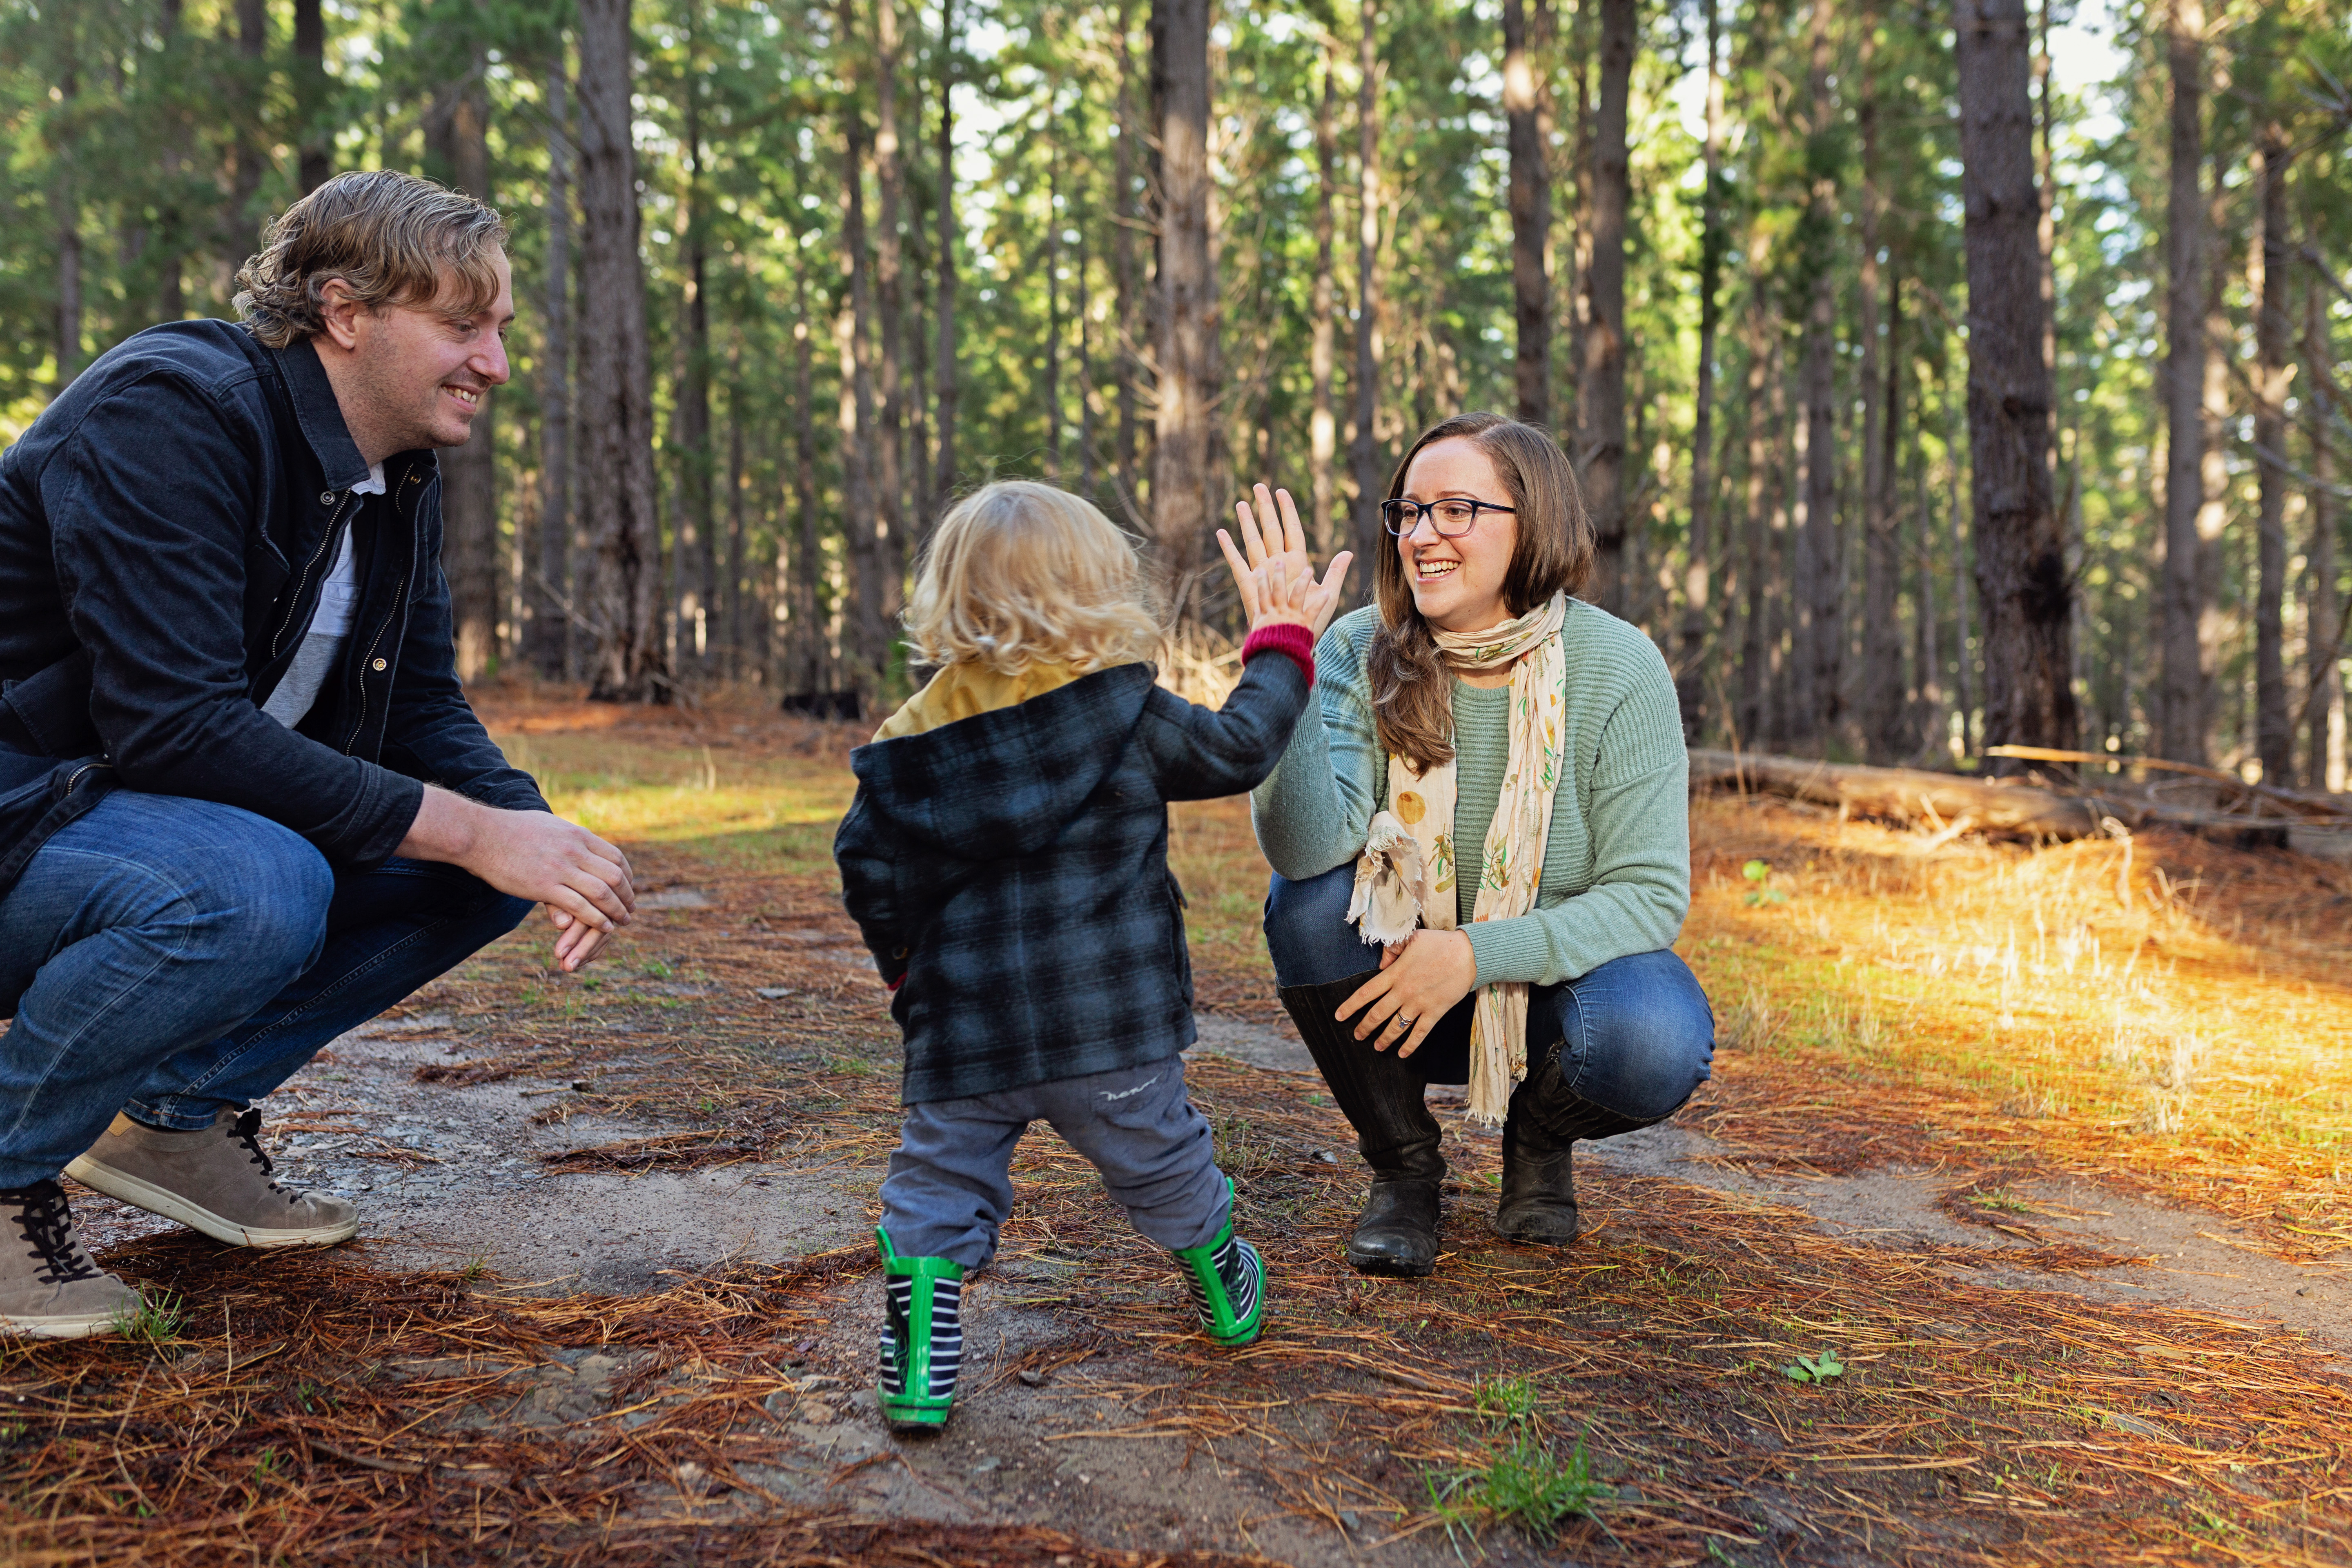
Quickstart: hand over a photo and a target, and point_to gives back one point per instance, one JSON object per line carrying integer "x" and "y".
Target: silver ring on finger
{"x": 1405, "y": 1021}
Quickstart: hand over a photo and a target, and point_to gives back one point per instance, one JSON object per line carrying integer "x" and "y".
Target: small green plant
{"x": 1815, "y": 1368}
{"x": 655, "y": 969}
{"x": 1507, "y": 1398}
{"x": 1526, "y": 1486}
{"x": 267, "y": 1465}
{"x": 155, "y": 1320}
{"x": 1761, "y": 893}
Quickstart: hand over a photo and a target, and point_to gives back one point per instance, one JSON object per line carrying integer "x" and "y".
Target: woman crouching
{"x": 1006, "y": 858}
{"x": 1478, "y": 703}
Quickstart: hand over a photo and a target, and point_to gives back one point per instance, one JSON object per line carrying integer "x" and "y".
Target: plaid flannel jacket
{"x": 1010, "y": 872}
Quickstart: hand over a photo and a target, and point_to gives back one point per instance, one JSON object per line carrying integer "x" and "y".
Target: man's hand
{"x": 583, "y": 880}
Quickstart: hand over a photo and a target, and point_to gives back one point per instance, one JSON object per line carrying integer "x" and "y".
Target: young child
{"x": 1007, "y": 857}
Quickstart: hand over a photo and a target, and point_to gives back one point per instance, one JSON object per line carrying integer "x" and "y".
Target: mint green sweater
{"x": 1616, "y": 873}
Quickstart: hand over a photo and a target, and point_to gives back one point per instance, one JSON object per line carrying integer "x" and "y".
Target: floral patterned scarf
{"x": 1406, "y": 876}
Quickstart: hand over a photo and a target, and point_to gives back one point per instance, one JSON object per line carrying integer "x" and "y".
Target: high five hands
{"x": 1272, "y": 570}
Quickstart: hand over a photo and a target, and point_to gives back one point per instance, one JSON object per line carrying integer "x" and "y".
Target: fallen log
{"x": 1946, "y": 801}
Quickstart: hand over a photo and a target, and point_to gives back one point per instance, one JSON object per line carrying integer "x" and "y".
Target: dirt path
{"x": 614, "y": 1302}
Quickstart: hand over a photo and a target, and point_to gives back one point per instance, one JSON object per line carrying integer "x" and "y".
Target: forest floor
{"x": 2012, "y": 1228}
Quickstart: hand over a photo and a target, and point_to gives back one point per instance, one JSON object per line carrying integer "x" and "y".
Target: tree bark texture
{"x": 944, "y": 373}
{"x": 457, "y": 149}
{"x": 1600, "y": 381}
{"x": 735, "y": 619}
{"x": 615, "y": 404}
{"x": 806, "y": 663}
{"x": 1364, "y": 447}
{"x": 692, "y": 531}
{"x": 2273, "y": 729}
{"x": 1530, "y": 201}
{"x": 1763, "y": 375}
{"x": 1690, "y": 679}
{"x": 547, "y": 639}
{"x": 1180, "y": 503}
{"x": 867, "y": 637}
{"x": 65, "y": 201}
{"x": 1322, "y": 428}
{"x": 314, "y": 147}
{"x": 249, "y": 152}
{"x": 2323, "y": 620}
{"x": 891, "y": 311}
{"x": 2180, "y": 706}
{"x": 1817, "y": 685}
{"x": 1882, "y": 639}
{"x": 2021, "y": 573}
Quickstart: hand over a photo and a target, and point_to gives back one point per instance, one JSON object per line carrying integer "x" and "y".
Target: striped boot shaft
{"x": 946, "y": 1337}
{"x": 1226, "y": 1279}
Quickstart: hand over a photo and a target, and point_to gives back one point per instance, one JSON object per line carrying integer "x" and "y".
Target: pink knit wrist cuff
{"x": 1294, "y": 641}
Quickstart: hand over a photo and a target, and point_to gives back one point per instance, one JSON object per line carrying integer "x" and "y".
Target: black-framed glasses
{"x": 1453, "y": 517}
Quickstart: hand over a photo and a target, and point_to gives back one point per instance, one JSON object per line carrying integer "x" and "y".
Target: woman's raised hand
{"x": 1273, "y": 541}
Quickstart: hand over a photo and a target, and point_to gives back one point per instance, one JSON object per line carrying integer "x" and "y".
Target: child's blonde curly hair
{"x": 1020, "y": 573}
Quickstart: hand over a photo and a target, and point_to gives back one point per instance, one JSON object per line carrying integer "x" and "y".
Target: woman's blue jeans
{"x": 172, "y": 957}
{"x": 1636, "y": 1035}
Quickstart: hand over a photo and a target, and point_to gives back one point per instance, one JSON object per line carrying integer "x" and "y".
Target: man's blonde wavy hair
{"x": 392, "y": 239}
{"x": 1020, "y": 573}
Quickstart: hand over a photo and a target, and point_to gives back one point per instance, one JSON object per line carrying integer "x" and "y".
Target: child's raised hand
{"x": 1271, "y": 534}
{"x": 1279, "y": 599}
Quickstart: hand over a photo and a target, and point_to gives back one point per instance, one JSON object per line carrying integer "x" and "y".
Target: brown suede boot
{"x": 50, "y": 1289}
{"x": 215, "y": 1180}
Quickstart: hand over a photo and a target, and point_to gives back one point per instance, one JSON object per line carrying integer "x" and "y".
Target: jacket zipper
{"x": 377, "y": 642}
{"x": 293, "y": 608}
{"x": 86, "y": 767}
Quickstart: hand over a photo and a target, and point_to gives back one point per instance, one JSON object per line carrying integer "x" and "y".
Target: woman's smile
{"x": 1457, "y": 582}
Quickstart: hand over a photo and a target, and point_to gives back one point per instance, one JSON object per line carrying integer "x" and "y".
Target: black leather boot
{"x": 1540, "y": 1136}
{"x": 1381, "y": 1099}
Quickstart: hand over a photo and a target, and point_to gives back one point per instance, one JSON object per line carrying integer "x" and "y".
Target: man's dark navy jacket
{"x": 165, "y": 528}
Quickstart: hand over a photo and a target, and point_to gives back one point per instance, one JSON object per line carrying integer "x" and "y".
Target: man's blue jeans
{"x": 1637, "y": 1035}
{"x": 171, "y": 957}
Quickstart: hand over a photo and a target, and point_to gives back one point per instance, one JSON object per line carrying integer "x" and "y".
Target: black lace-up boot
{"x": 1397, "y": 1232}
{"x": 1540, "y": 1136}
{"x": 50, "y": 1289}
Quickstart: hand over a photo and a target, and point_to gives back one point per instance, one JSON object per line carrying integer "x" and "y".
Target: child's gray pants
{"x": 949, "y": 1187}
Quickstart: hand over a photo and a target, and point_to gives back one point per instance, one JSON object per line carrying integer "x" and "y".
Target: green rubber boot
{"x": 923, "y": 1338}
{"x": 1227, "y": 1278}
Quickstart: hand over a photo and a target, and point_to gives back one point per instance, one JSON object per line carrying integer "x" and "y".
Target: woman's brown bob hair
{"x": 392, "y": 237}
{"x": 1413, "y": 690}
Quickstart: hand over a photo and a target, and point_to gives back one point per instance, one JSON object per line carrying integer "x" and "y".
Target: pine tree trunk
{"x": 1322, "y": 428}
{"x": 457, "y": 149}
{"x": 1129, "y": 300}
{"x": 1755, "y": 679}
{"x": 866, "y": 638}
{"x": 1887, "y": 732}
{"x": 736, "y": 621}
{"x": 1882, "y": 639}
{"x": 1690, "y": 682}
{"x": 2020, "y": 548}
{"x": 693, "y": 529}
{"x": 1601, "y": 383}
{"x": 2274, "y": 729}
{"x": 2180, "y": 715}
{"x": 250, "y": 148}
{"x": 1816, "y": 693}
{"x": 806, "y": 666}
{"x": 615, "y": 382}
{"x": 547, "y": 636}
{"x": 315, "y": 152}
{"x": 944, "y": 374}
{"x": 891, "y": 311}
{"x": 1530, "y": 201}
{"x": 1364, "y": 447}
{"x": 1188, "y": 302}
{"x": 2213, "y": 623}
{"x": 1965, "y": 639}
{"x": 1054, "y": 307}
{"x": 65, "y": 202}
{"x": 2323, "y": 636}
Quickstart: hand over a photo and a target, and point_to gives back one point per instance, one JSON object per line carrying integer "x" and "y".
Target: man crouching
{"x": 225, "y": 636}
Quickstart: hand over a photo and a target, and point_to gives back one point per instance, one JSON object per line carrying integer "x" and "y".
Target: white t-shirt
{"x": 330, "y": 623}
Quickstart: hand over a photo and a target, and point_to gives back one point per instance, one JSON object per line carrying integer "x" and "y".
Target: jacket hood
{"x": 1006, "y": 782}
